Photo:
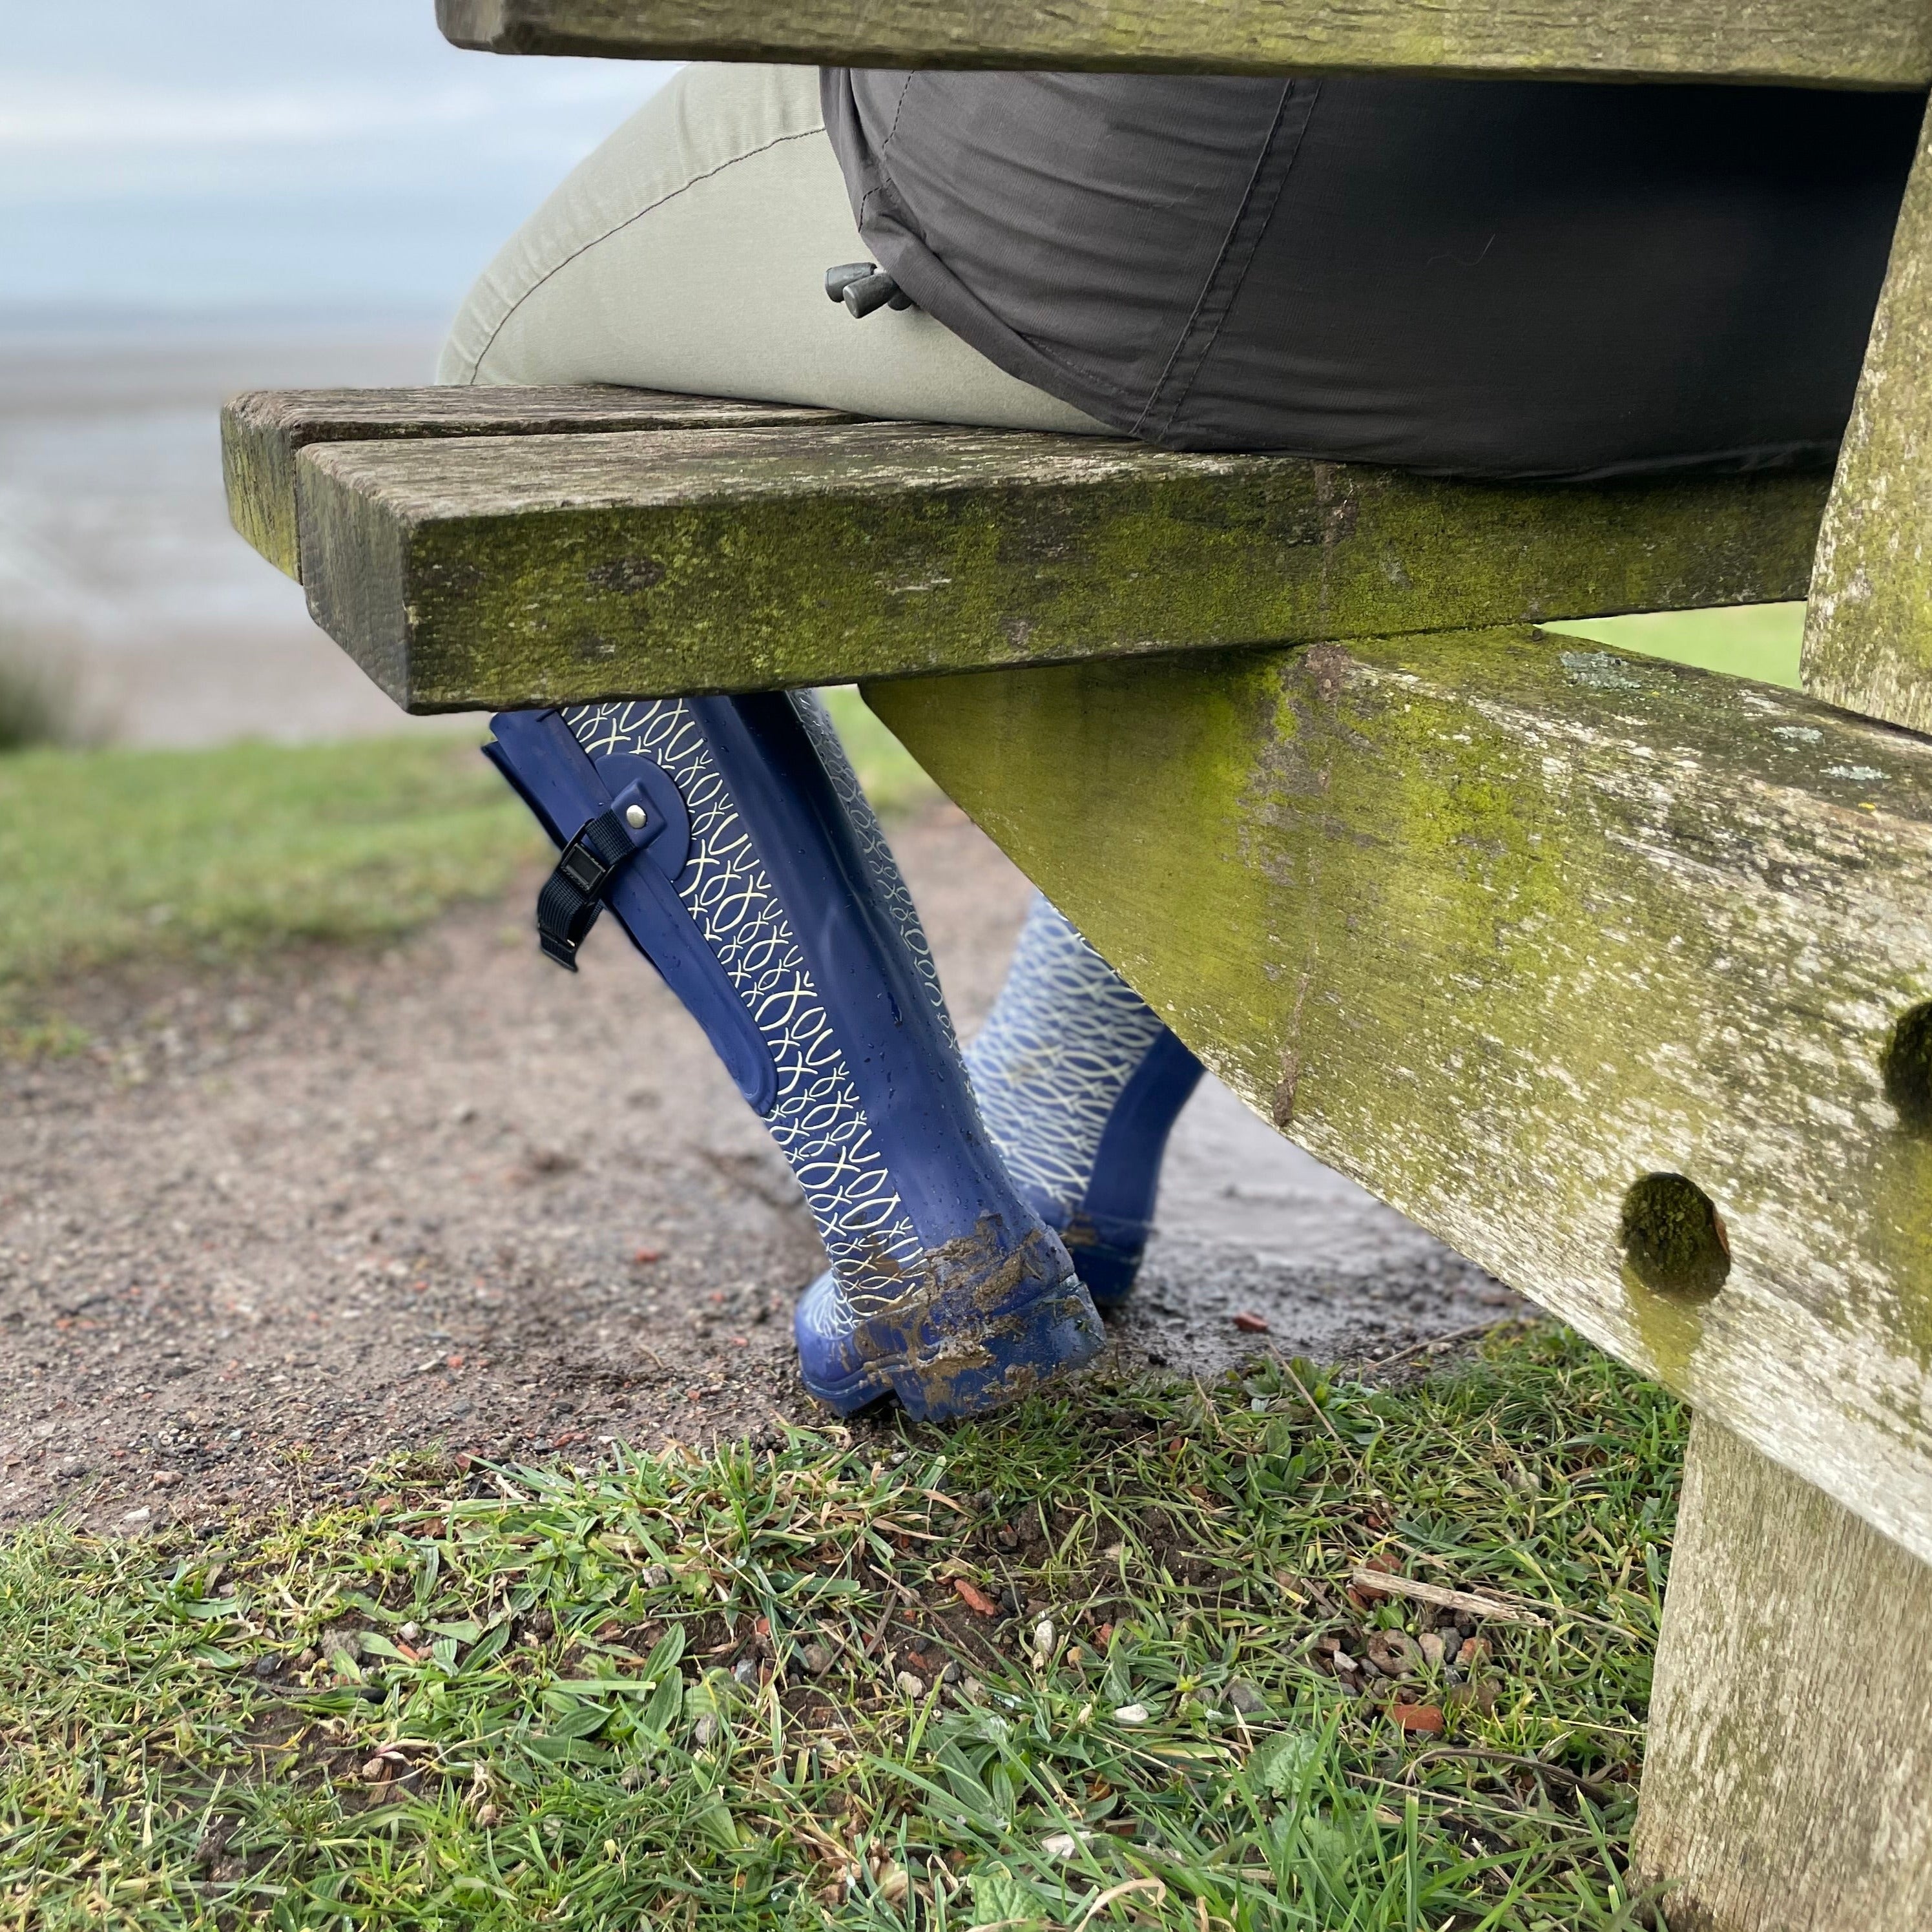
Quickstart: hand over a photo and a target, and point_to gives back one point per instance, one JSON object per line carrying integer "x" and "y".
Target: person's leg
{"x": 1079, "y": 1082}
{"x": 730, "y": 839}
{"x": 688, "y": 253}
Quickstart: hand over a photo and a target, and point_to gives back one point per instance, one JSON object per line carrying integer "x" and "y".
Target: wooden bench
{"x": 1531, "y": 938}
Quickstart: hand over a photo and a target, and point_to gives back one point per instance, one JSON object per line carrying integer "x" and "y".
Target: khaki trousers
{"x": 689, "y": 253}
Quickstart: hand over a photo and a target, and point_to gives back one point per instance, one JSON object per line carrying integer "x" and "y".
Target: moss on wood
{"x": 1500, "y": 925}
{"x": 1857, "y": 43}
{"x": 1789, "y": 1759}
{"x": 1868, "y": 633}
{"x": 504, "y": 572}
{"x": 263, "y": 430}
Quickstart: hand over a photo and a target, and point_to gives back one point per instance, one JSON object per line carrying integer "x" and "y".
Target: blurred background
{"x": 202, "y": 197}
{"x": 211, "y": 195}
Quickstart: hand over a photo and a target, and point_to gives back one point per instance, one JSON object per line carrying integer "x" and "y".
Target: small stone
{"x": 265, "y": 1666}
{"x": 375, "y": 1770}
{"x": 1063, "y": 1844}
{"x": 1042, "y": 1642}
{"x": 1419, "y": 1719}
{"x": 487, "y": 1815}
{"x": 410, "y": 1633}
{"x": 816, "y": 1658}
{"x": 971, "y": 1690}
{"x": 655, "y": 1576}
{"x": 137, "y": 1515}
{"x": 952, "y": 1673}
{"x": 705, "y": 1731}
{"x": 913, "y": 1687}
{"x": 1249, "y": 1323}
{"x": 1474, "y": 1654}
{"x": 1245, "y": 1698}
{"x": 1392, "y": 1652}
{"x": 1131, "y": 1716}
{"x": 1343, "y": 1661}
{"x": 1433, "y": 1649}
{"x": 745, "y": 1670}
{"x": 975, "y": 1599}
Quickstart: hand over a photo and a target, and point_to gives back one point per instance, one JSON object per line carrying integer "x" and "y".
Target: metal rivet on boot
{"x": 633, "y": 817}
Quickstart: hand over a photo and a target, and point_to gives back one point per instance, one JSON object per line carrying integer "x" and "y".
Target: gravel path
{"x": 290, "y": 1220}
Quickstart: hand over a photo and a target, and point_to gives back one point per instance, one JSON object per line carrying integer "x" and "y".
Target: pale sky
{"x": 298, "y": 155}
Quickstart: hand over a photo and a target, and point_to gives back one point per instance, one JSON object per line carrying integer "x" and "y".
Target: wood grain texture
{"x": 1787, "y": 1783}
{"x": 1868, "y": 631}
{"x": 263, "y": 430}
{"x": 1855, "y": 42}
{"x": 1498, "y": 923}
{"x": 514, "y": 572}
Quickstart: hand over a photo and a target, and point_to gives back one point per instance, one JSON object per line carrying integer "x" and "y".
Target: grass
{"x": 114, "y": 855}
{"x": 700, "y": 1691}
{"x": 1754, "y": 640}
{"x": 117, "y": 855}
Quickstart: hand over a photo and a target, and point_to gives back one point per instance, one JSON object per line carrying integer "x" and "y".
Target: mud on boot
{"x": 730, "y": 840}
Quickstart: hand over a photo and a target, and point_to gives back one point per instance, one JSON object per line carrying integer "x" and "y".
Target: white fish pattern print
{"x": 1049, "y": 1067}
{"x": 817, "y": 1120}
{"x": 871, "y": 836}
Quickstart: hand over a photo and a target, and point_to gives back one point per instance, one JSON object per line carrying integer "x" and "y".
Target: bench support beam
{"x": 1787, "y": 1784}
{"x": 1513, "y": 930}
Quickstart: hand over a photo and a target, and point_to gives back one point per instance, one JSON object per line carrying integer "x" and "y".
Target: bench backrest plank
{"x": 1842, "y": 43}
{"x": 503, "y": 572}
{"x": 1498, "y": 923}
{"x": 262, "y": 432}
{"x": 1868, "y": 634}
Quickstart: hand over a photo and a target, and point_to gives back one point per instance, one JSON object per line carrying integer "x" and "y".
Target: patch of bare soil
{"x": 291, "y": 1219}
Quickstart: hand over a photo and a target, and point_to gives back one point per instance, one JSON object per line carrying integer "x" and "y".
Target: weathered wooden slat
{"x": 1787, "y": 1780}
{"x": 1868, "y": 631}
{"x": 1853, "y": 43}
{"x": 263, "y": 430}
{"x": 1500, "y": 924}
{"x": 507, "y": 573}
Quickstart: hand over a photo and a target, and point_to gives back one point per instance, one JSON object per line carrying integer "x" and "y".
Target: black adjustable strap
{"x": 574, "y": 895}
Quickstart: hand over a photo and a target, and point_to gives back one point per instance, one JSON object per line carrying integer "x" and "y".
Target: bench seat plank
{"x": 263, "y": 430}
{"x": 1498, "y": 923}
{"x": 1854, "y": 43}
{"x": 504, "y": 572}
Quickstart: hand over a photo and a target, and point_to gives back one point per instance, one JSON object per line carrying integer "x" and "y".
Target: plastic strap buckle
{"x": 574, "y": 893}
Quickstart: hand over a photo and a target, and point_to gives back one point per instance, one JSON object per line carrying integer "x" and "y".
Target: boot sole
{"x": 970, "y": 1375}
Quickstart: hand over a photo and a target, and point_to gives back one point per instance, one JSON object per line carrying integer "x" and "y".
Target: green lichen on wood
{"x": 1673, "y": 1237}
{"x": 1785, "y": 1782}
{"x": 552, "y": 568}
{"x": 263, "y": 430}
{"x": 1907, "y": 1069}
{"x": 1499, "y": 926}
{"x": 1868, "y": 631}
{"x": 1858, "y": 43}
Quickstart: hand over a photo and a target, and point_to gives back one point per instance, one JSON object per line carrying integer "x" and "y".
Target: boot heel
{"x": 1003, "y": 1359}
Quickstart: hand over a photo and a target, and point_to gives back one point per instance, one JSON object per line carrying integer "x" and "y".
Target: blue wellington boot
{"x": 729, "y": 838}
{"x": 1078, "y": 1083}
